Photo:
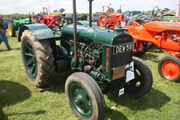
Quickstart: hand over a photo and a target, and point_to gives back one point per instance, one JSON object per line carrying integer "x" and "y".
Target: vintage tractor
{"x": 99, "y": 60}
{"x": 166, "y": 36}
{"x": 15, "y": 25}
{"x": 111, "y": 20}
{"x": 49, "y": 20}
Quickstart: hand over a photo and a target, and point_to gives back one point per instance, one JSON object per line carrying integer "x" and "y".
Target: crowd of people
{"x": 3, "y": 37}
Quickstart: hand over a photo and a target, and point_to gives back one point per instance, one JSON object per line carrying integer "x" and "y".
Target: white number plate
{"x": 130, "y": 72}
{"x": 124, "y": 48}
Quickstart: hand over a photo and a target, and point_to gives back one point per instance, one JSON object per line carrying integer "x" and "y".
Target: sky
{"x": 26, "y": 6}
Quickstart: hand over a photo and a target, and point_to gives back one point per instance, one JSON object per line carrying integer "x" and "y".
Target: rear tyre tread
{"x": 44, "y": 57}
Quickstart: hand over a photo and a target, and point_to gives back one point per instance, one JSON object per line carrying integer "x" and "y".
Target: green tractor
{"x": 99, "y": 60}
{"x": 15, "y": 25}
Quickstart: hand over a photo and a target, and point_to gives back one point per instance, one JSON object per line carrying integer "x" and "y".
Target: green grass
{"x": 19, "y": 100}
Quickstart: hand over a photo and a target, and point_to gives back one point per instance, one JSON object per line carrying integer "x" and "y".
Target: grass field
{"x": 19, "y": 100}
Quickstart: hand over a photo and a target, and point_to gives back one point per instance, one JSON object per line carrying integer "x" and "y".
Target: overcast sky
{"x": 26, "y": 6}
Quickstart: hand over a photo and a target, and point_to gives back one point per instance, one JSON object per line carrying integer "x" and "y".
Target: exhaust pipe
{"x": 75, "y": 32}
{"x": 90, "y": 13}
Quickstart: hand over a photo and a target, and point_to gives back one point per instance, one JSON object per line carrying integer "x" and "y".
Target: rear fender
{"x": 39, "y": 31}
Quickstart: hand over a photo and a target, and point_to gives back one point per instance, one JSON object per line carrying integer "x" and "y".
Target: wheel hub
{"x": 30, "y": 59}
{"x": 81, "y": 101}
{"x": 170, "y": 69}
{"x": 102, "y": 21}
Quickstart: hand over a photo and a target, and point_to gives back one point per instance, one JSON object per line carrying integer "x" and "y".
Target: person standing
{"x": 3, "y": 33}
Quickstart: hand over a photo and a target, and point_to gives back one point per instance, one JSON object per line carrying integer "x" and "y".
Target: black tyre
{"x": 169, "y": 68}
{"x": 11, "y": 30}
{"x": 142, "y": 83}
{"x": 85, "y": 97}
{"x": 103, "y": 21}
{"x": 145, "y": 46}
{"x": 37, "y": 59}
{"x": 141, "y": 51}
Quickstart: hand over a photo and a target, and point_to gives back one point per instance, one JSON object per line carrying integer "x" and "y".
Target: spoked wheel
{"x": 37, "y": 59}
{"x": 85, "y": 97}
{"x": 11, "y": 30}
{"x": 142, "y": 83}
{"x": 169, "y": 68}
{"x": 103, "y": 20}
{"x": 30, "y": 58}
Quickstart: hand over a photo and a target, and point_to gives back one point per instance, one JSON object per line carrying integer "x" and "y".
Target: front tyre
{"x": 103, "y": 20}
{"x": 142, "y": 83}
{"x": 37, "y": 59}
{"x": 169, "y": 68}
{"x": 11, "y": 30}
{"x": 85, "y": 97}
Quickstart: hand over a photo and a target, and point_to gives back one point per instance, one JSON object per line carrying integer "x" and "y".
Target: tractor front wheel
{"x": 169, "y": 68}
{"x": 103, "y": 20}
{"x": 37, "y": 59}
{"x": 11, "y": 30}
{"x": 142, "y": 83}
{"x": 85, "y": 97}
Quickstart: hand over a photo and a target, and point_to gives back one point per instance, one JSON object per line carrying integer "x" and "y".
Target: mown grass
{"x": 19, "y": 100}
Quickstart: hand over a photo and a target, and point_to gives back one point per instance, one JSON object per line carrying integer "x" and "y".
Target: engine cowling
{"x": 100, "y": 36}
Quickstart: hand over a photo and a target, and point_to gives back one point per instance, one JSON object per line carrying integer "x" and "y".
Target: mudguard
{"x": 40, "y": 31}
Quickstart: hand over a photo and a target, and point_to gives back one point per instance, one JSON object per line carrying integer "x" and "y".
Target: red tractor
{"x": 49, "y": 20}
{"x": 46, "y": 18}
{"x": 166, "y": 36}
{"x": 111, "y": 20}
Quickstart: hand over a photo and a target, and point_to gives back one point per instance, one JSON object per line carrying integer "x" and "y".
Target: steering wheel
{"x": 155, "y": 11}
{"x": 58, "y": 22}
{"x": 127, "y": 13}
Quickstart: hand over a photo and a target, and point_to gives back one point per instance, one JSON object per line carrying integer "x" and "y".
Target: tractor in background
{"x": 16, "y": 24}
{"x": 99, "y": 60}
{"x": 53, "y": 21}
{"x": 49, "y": 20}
{"x": 111, "y": 20}
{"x": 166, "y": 36}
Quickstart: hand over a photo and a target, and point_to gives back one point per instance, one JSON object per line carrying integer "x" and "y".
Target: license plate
{"x": 124, "y": 48}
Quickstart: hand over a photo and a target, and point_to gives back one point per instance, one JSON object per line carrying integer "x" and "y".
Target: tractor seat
{"x": 162, "y": 26}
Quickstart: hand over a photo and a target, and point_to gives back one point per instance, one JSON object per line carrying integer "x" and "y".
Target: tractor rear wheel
{"x": 85, "y": 97}
{"x": 37, "y": 59}
{"x": 103, "y": 20}
{"x": 169, "y": 68}
{"x": 11, "y": 30}
{"x": 143, "y": 81}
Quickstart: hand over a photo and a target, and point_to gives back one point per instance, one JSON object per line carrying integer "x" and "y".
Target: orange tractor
{"x": 166, "y": 36}
{"x": 111, "y": 20}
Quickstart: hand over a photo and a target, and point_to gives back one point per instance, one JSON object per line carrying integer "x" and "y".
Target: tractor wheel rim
{"x": 30, "y": 59}
{"x": 103, "y": 21}
{"x": 170, "y": 69}
{"x": 80, "y": 100}
{"x": 9, "y": 30}
{"x": 136, "y": 84}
